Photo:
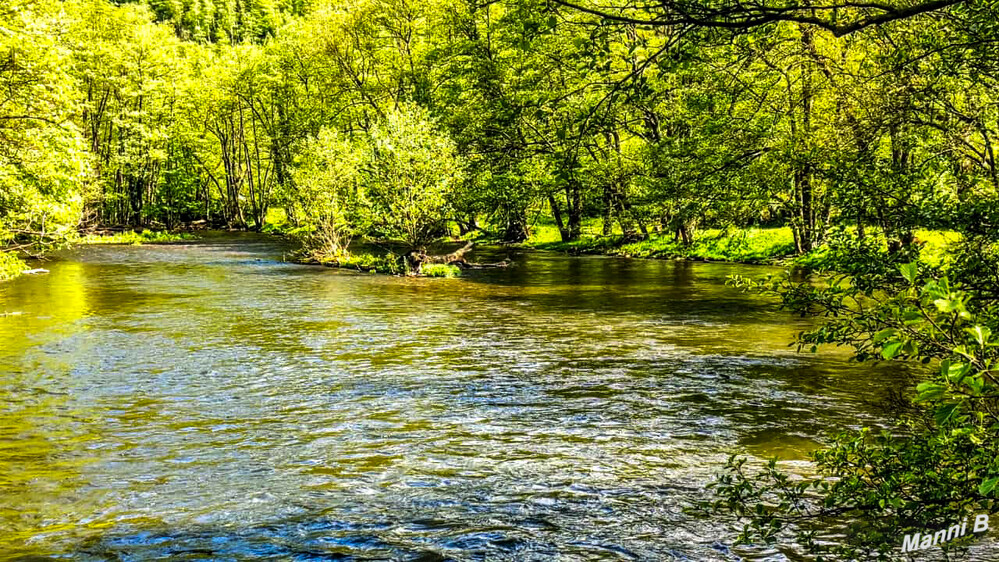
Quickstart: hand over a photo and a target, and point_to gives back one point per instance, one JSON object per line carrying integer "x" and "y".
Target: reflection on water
{"x": 208, "y": 401}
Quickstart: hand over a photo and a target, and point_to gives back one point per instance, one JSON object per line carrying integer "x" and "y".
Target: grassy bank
{"x": 752, "y": 245}
{"x": 135, "y": 238}
{"x": 391, "y": 264}
{"x": 741, "y": 245}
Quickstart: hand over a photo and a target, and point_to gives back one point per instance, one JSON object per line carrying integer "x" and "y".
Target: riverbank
{"x": 12, "y": 266}
{"x": 750, "y": 246}
{"x": 753, "y": 246}
{"x": 386, "y": 263}
{"x": 136, "y": 238}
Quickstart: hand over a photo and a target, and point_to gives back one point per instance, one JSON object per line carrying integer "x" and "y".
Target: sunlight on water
{"x": 208, "y": 400}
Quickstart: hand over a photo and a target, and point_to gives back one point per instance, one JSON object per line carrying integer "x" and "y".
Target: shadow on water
{"x": 210, "y": 401}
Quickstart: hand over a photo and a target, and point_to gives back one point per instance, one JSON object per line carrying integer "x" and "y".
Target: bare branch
{"x": 741, "y": 16}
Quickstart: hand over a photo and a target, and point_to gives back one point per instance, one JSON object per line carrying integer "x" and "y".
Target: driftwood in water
{"x": 416, "y": 260}
{"x": 465, "y": 265}
{"x": 34, "y": 271}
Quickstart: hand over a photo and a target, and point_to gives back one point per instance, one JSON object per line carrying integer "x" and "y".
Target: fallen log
{"x": 416, "y": 260}
{"x": 466, "y": 265}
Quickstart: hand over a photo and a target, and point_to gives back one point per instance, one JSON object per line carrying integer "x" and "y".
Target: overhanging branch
{"x": 739, "y": 15}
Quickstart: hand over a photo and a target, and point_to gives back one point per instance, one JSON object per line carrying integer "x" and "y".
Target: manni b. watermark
{"x": 920, "y": 541}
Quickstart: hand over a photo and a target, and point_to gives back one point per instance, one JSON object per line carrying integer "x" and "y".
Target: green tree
{"x": 328, "y": 192}
{"x": 409, "y": 172}
{"x": 43, "y": 159}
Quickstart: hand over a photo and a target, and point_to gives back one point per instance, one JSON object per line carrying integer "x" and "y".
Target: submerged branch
{"x": 417, "y": 260}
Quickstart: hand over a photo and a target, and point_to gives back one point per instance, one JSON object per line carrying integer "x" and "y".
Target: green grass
{"x": 135, "y": 238}
{"x": 743, "y": 245}
{"x": 276, "y": 222}
{"x": 544, "y": 231}
{"x": 440, "y": 270}
{"x": 750, "y": 245}
{"x": 934, "y": 249}
{"x": 544, "y": 234}
{"x": 11, "y": 266}
{"x": 390, "y": 263}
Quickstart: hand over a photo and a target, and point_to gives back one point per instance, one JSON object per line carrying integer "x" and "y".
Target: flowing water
{"x": 209, "y": 401}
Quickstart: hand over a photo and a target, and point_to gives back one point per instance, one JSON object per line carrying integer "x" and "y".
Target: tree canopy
{"x": 852, "y": 124}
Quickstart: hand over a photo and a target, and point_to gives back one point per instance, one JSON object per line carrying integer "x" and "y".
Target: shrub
{"x": 10, "y": 266}
{"x": 938, "y": 463}
{"x": 135, "y": 238}
{"x": 440, "y": 270}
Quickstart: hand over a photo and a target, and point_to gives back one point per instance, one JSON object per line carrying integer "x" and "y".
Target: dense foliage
{"x": 850, "y": 126}
{"x": 157, "y": 113}
{"x": 938, "y": 464}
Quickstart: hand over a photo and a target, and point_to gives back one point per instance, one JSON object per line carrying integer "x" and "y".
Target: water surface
{"x": 209, "y": 401}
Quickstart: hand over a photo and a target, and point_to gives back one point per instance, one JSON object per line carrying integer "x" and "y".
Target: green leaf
{"x": 930, "y": 391}
{"x": 883, "y": 334}
{"x": 957, "y": 371}
{"x": 909, "y": 271}
{"x": 962, "y": 350}
{"x": 945, "y": 413}
{"x": 890, "y": 350}
{"x": 987, "y": 486}
{"x": 980, "y": 333}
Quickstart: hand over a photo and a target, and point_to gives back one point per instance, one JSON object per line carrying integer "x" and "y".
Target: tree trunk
{"x": 608, "y": 204}
{"x": 557, "y": 213}
{"x": 466, "y": 226}
{"x": 684, "y": 233}
{"x": 574, "y": 197}
{"x": 804, "y": 219}
{"x": 516, "y": 227}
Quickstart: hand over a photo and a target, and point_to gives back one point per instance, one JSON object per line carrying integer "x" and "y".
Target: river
{"x": 207, "y": 400}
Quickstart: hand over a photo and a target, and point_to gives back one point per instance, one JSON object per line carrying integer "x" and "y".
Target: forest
{"x": 857, "y": 139}
{"x": 406, "y": 120}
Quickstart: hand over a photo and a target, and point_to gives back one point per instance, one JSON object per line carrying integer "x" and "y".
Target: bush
{"x": 937, "y": 465}
{"x": 440, "y": 270}
{"x": 391, "y": 264}
{"x": 328, "y": 198}
{"x": 136, "y": 238}
{"x": 10, "y": 266}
